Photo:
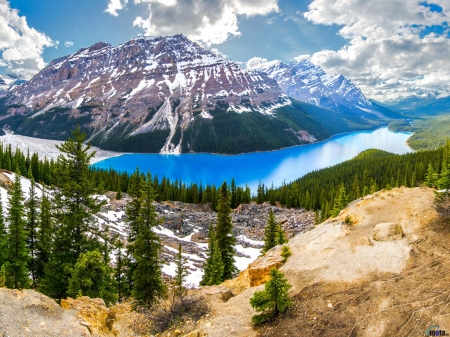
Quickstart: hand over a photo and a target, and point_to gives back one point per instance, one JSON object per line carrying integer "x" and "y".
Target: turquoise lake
{"x": 267, "y": 167}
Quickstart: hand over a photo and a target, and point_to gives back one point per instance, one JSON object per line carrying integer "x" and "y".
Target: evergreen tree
{"x": 181, "y": 272}
{"x": 18, "y": 255}
{"x": 3, "y": 236}
{"x": 341, "y": 201}
{"x": 280, "y": 236}
{"x": 44, "y": 237}
{"x": 224, "y": 235}
{"x": 120, "y": 270}
{"x": 213, "y": 266}
{"x": 31, "y": 227}
{"x": 75, "y": 230}
{"x": 91, "y": 276}
{"x": 274, "y": 299}
{"x": 148, "y": 285}
{"x": 270, "y": 233}
{"x": 430, "y": 178}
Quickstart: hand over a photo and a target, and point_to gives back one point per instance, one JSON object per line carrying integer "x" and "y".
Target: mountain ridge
{"x": 166, "y": 95}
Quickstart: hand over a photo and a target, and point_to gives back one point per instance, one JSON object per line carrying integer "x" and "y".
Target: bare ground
{"x": 343, "y": 288}
{"x": 402, "y": 303}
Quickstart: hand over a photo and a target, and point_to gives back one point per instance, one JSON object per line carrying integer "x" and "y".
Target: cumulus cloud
{"x": 255, "y": 62}
{"x": 395, "y": 47}
{"x": 115, "y": 5}
{"x": 21, "y": 46}
{"x": 209, "y": 22}
{"x": 68, "y": 44}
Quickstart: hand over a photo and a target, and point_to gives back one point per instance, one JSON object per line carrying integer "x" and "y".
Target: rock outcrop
{"x": 387, "y": 231}
{"x": 257, "y": 272}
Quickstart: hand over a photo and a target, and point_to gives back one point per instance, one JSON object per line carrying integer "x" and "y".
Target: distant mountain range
{"x": 431, "y": 103}
{"x": 170, "y": 95}
{"x": 307, "y": 82}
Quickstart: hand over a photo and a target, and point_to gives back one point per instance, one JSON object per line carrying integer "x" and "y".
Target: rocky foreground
{"x": 384, "y": 275}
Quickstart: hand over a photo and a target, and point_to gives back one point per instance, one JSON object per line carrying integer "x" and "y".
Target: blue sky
{"x": 386, "y": 47}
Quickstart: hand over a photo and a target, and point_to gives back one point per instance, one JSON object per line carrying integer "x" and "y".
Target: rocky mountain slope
{"x": 163, "y": 94}
{"x": 307, "y": 82}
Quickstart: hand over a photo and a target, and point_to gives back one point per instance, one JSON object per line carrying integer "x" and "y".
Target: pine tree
{"x": 31, "y": 227}
{"x": 18, "y": 255}
{"x": 91, "y": 276}
{"x": 274, "y": 299}
{"x": 145, "y": 247}
{"x": 213, "y": 266}
{"x": 430, "y": 178}
{"x": 75, "y": 228}
{"x": 180, "y": 273}
{"x": 270, "y": 233}
{"x": 224, "y": 235}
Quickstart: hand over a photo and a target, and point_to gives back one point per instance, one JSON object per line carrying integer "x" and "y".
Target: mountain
{"x": 167, "y": 95}
{"x": 430, "y": 103}
{"x": 307, "y": 82}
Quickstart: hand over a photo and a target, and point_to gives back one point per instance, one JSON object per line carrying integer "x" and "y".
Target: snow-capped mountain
{"x": 9, "y": 80}
{"x": 166, "y": 95}
{"x": 307, "y": 82}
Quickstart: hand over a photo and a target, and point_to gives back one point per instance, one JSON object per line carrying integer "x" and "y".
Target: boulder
{"x": 387, "y": 232}
{"x": 93, "y": 313}
{"x": 364, "y": 241}
{"x": 257, "y": 272}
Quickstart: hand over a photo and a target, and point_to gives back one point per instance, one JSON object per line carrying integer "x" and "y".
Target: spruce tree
{"x": 180, "y": 273}
{"x": 224, "y": 235}
{"x": 213, "y": 266}
{"x": 75, "y": 228}
{"x": 31, "y": 227}
{"x": 148, "y": 285}
{"x": 3, "y": 236}
{"x": 280, "y": 237}
{"x": 16, "y": 269}
{"x": 274, "y": 299}
{"x": 91, "y": 276}
{"x": 270, "y": 233}
{"x": 120, "y": 270}
{"x": 44, "y": 237}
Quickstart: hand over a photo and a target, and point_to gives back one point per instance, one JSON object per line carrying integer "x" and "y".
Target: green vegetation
{"x": 224, "y": 235}
{"x": 274, "y": 299}
{"x": 91, "y": 276}
{"x": 285, "y": 252}
{"x": 213, "y": 266}
{"x": 273, "y": 234}
{"x": 429, "y": 132}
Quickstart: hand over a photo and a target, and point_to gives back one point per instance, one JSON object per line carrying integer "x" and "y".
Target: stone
{"x": 257, "y": 272}
{"x": 177, "y": 332}
{"x": 93, "y": 313}
{"x": 364, "y": 241}
{"x": 387, "y": 232}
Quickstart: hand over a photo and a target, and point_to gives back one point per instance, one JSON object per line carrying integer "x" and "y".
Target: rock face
{"x": 93, "y": 314}
{"x": 257, "y": 272}
{"x": 387, "y": 232}
{"x": 307, "y": 82}
{"x": 28, "y": 313}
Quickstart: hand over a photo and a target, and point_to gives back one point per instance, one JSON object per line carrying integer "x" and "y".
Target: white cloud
{"x": 21, "y": 46}
{"x": 68, "y": 44}
{"x": 255, "y": 62}
{"x": 209, "y": 22}
{"x": 302, "y": 57}
{"x": 115, "y": 5}
{"x": 390, "y": 52}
